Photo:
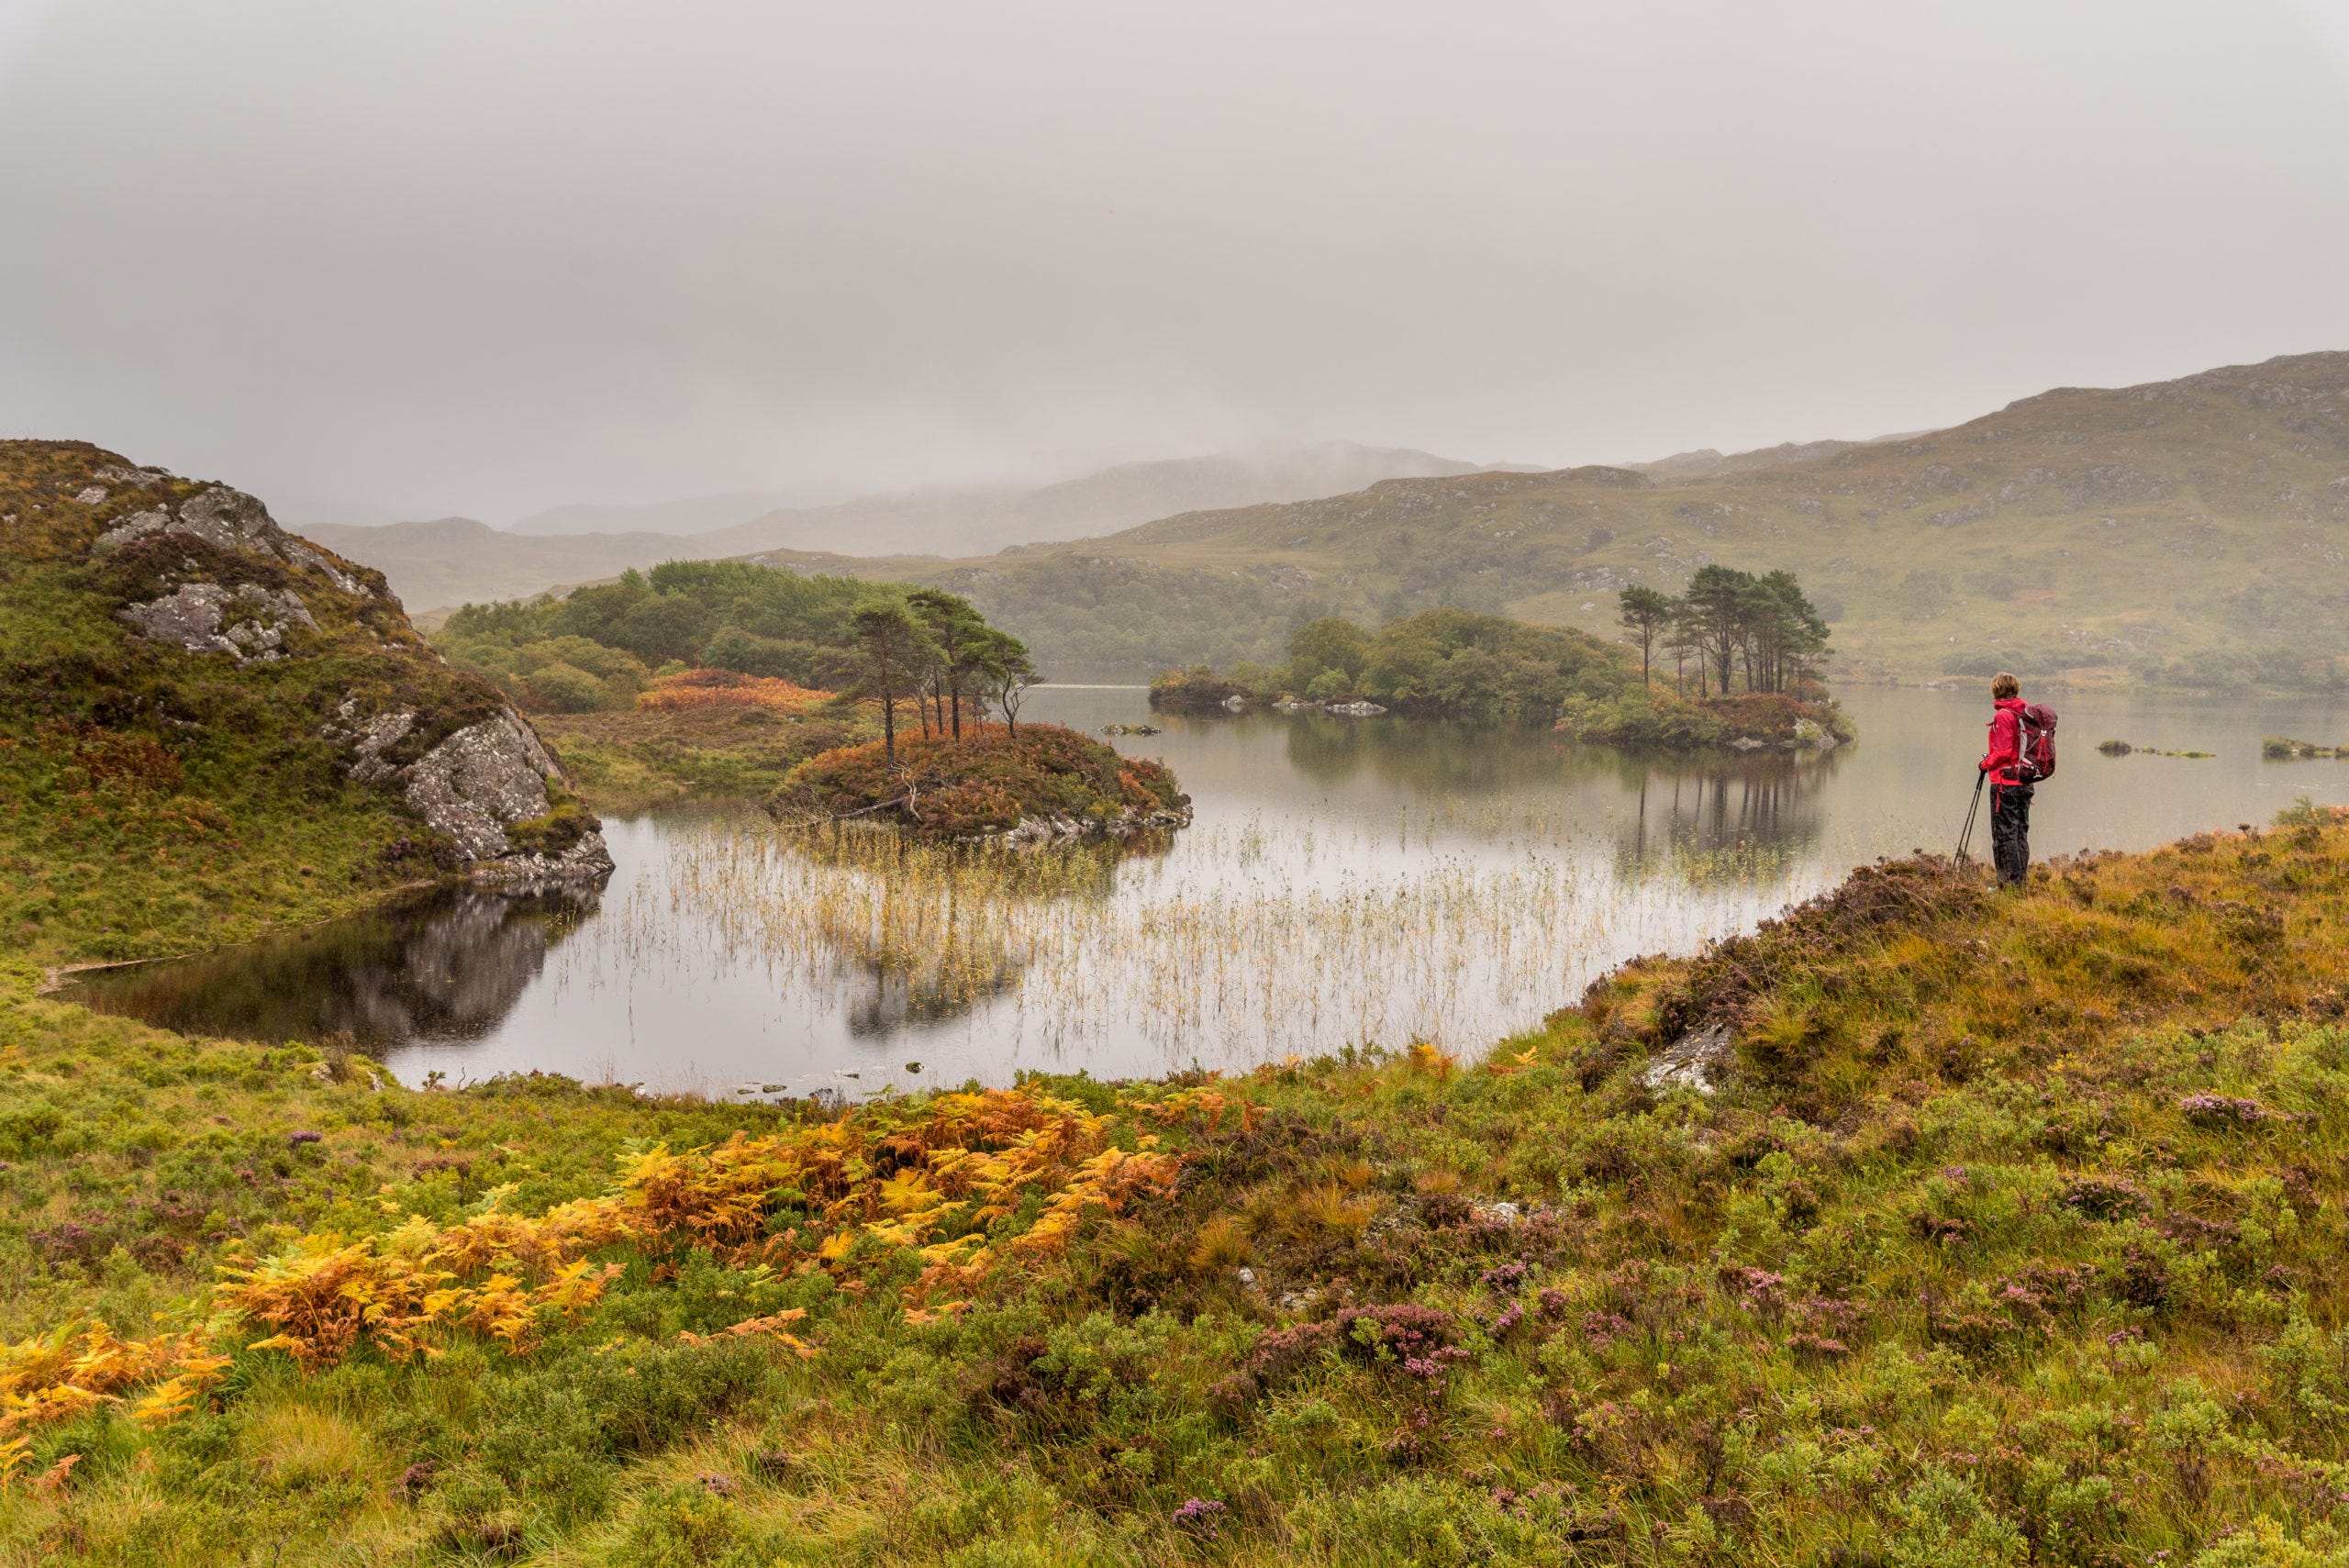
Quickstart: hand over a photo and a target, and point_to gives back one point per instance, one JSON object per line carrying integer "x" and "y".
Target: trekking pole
{"x": 1967, "y": 837}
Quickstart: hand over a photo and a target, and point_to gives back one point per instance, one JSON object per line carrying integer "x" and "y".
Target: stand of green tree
{"x": 1447, "y": 664}
{"x": 592, "y": 650}
{"x": 1758, "y": 639}
{"x": 1732, "y": 625}
{"x": 1750, "y": 646}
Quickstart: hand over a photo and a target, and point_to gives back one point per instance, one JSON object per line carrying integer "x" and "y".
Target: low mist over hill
{"x": 453, "y": 560}
{"x": 2191, "y": 531}
{"x": 688, "y": 515}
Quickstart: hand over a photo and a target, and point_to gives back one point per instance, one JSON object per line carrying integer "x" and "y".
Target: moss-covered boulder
{"x": 213, "y": 726}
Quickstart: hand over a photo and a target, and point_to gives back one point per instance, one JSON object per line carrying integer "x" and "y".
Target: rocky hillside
{"x": 208, "y": 725}
{"x": 2194, "y": 531}
{"x": 455, "y": 561}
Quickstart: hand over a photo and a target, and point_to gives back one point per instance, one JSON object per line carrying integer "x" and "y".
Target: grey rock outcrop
{"x": 231, "y": 519}
{"x": 194, "y": 617}
{"x": 473, "y": 786}
{"x": 1038, "y": 831}
{"x": 1697, "y": 1059}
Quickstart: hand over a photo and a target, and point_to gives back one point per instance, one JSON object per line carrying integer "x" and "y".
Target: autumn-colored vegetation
{"x": 986, "y": 782}
{"x": 688, "y": 689}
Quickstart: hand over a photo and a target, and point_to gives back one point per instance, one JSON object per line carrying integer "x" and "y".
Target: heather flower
{"x": 1201, "y": 1517}
{"x": 1759, "y": 1290}
{"x": 1603, "y": 1328}
{"x": 2103, "y": 1197}
{"x": 305, "y": 1136}
{"x": 1504, "y": 1277}
{"x": 2219, "y": 1110}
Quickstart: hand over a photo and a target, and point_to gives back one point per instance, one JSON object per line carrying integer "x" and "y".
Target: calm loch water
{"x": 1346, "y": 882}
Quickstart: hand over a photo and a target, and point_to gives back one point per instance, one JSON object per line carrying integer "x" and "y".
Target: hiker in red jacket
{"x": 2009, "y": 794}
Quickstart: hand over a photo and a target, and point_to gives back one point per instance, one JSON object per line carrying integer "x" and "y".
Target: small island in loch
{"x": 1745, "y": 653}
{"x": 830, "y": 698}
{"x": 1033, "y": 784}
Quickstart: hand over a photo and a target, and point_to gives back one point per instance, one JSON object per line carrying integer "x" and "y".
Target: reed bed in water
{"x": 1235, "y": 944}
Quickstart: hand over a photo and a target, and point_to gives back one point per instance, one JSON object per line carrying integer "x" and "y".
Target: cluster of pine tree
{"x": 1733, "y": 626}
{"x": 932, "y": 648}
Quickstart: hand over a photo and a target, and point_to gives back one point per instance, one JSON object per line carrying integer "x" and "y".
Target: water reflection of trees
{"x": 1429, "y": 756}
{"x": 885, "y": 1000}
{"x": 1713, "y": 810}
{"x": 1722, "y": 817}
{"x": 1075, "y": 868}
{"x": 448, "y": 966}
{"x": 917, "y": 934}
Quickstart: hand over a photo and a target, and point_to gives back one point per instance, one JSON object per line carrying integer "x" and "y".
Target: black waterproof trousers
{"x": 2011, "y": 831}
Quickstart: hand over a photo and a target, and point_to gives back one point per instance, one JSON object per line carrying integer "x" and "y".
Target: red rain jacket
{"x": 2006, "y": 740}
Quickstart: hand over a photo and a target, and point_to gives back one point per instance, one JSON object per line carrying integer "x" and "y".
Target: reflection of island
{"x": 923, "y": 934}
{"x": 1431, "y": 756}
{"x": 448, "y": 966}
{"x": 885, "y": 1001}
{"x": 1722, "y": 812}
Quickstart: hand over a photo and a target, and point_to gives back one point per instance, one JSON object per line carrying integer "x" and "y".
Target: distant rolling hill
{"x": 2195, "y": 530}
{"x": 445, "y": 562}
{"x": 688, "y": 515}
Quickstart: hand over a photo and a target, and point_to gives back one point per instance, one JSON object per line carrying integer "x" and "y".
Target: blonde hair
{"x": 2005, "y": 685}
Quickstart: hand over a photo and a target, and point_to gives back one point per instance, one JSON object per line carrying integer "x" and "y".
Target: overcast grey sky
{"x": 413, "y": 257}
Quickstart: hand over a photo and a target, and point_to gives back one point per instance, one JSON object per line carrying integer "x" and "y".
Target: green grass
{"x": 2015, "y": 1234}
{"x": 630, "y": 760}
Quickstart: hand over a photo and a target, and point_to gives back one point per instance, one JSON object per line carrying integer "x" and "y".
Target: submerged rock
{"x": 1035, "y": 831}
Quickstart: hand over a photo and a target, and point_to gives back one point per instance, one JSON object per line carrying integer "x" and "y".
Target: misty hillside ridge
{"x": 686, "y": 515}
{"x": 2193, "y": 532}
{"x": 453, "y": 561}
{"x": 1707, "y": 463}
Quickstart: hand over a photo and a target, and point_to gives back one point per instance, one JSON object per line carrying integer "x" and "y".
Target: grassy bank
{"x": 703, "y": 734}
{"x": 2010, "y": 1229}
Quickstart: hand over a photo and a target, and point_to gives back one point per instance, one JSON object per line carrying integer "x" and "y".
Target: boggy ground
{"x": 2010, "y": 1230}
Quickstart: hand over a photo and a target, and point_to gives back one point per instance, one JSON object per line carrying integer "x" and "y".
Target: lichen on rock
{"x": 206, "y": 570}
{"x": 229, "y": 519}
{"x": 192, "y": 617}
{"x": 493, "y": 787}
